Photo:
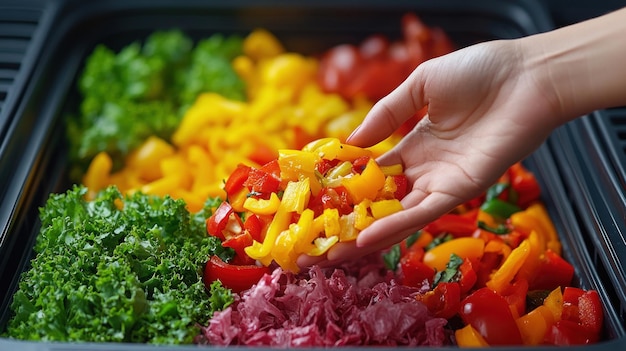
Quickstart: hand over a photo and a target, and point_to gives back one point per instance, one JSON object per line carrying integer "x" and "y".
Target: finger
{"x": 390, "y": 112}
{"x": 307, "y": 261}
{"x": 420, "y": 209}
{"x": 350, "y": 250}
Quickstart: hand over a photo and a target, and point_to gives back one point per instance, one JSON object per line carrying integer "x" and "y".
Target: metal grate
{"x": 611, "y": 126}
{"x": 17, "y": 26}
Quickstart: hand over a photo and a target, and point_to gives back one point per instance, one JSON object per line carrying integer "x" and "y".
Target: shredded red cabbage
{"x": 360, "y": 304}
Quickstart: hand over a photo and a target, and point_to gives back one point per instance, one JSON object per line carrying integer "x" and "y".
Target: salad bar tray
{"x": 55, "y": 38}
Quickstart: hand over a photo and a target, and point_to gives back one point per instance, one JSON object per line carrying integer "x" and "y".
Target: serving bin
{"x": 57, "y": 35}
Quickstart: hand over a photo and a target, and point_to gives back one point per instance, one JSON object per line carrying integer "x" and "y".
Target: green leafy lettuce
{"x": 144, "y": 89}
{"x": 117, "y": 269}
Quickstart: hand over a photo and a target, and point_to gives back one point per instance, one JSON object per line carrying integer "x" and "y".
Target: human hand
{"x": 487, "y": 109}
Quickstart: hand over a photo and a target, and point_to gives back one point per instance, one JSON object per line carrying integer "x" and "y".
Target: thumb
{"x": 388, "y": 114}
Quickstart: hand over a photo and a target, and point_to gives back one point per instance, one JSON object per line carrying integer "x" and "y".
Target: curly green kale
{"x": 117, "y": 269}
{"x": 144, "y": 90}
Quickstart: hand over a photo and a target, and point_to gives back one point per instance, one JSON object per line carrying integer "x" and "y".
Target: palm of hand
{"x": 485, "y": 113}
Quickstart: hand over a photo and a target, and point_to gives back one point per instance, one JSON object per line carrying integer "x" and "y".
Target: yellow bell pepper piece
{"x": 331, "y": 222}
{"x": 348, "y": 230}
{"x": 465, "y": 247}
{"x": 262, "y": 206}
{"x": 389, "y": 189}
{"x": 383, "y": 208}
{"x": 502, "y": 277}
{"x": 147, "y": 157}
{"x": 262, "y": 44}
{"x": 97, "y": 175}
{"x": 362, "y": 218}
{"x": 295, "y": 164}
{"x": 392, "y": 170}
{"x": 468, "y": 336}
{"x": 283, "y": 251}
{"x": 279, "y": 223}
{"x": 534, "y": 325}
{"x": 367, "y": 184}
{"x": 332, "y": 148}
{"x": 554, "y": 303}
{"x": 538, "y": 210}
{"x": 537, "y": 247}
{"x": 322, "y": 245}
{"x": 296, "y": 195}
{"x": 305, "y": 231}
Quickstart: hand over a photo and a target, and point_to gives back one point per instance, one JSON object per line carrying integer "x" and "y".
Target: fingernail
{"x": 353, "y": 133}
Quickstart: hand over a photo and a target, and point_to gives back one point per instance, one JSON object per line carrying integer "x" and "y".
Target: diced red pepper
{"x": 487, "y": 264}
{"x": 262, "y": 182}
{"x": 272, "y": 167}
{"x": 567, "y": 333}
{"x": 325, "y": 165}
{"x": 489, "y": 313}
{"x": 444, "y": 301}
{"x": 413, "y": 272}
{"x": 402, "y": 186}
{"x": 331, "y": 198}
{"x": 525, "y": 184}
{"x": 359, "y": 164}
{"x": 254, "y": 226}
{"x": 235, "y": 181}
{"x": 238, "y": 243}
{"x": 555, "y": 272}
{"x": 583, "y": 307}
{"x": 515, "y": 295}
{"x": 457, "y": 225}
{"x": 235, "y": 277}
{"x": 224, "y": 222}
{"x": 468, "y": 276}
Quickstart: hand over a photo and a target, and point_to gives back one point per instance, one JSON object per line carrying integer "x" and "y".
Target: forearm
{"x": 582, "y": 65}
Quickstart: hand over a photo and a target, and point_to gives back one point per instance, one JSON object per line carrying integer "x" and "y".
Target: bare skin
{"x": 489, "y": 106}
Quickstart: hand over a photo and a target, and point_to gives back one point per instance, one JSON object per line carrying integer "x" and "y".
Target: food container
{"x": 59, "y": 34}
{"x": 591, "y": 157}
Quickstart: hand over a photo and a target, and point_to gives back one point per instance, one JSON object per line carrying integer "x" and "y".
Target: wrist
{"x": 579, "y": 67}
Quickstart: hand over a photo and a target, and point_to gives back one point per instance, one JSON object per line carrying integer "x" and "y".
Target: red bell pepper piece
{"x": 515, "y": 295}
{"x": 444, "y": 301}
{"x": 235, "y": 277}
{"x": 359, "y": 164}
{"x": 457, "y": 225}
{"x": 487, "y": 264}
{"x": 585, "y": 309}
{"x": 468, "y": 276}
{"x": 489, "y": 313}
{"x": 224, "y": 222}
{"x": 254, "y": 226}
{"x": 325, "y": 165}
{"x": 262, "y": 183}
{"x": 402, "y": 186}
{"x": 555, "y": 272}
{"x": 238, "y": 243}
{"x": 525, "y": 184}
{"x": 235, "y": 181}
{"x": 413, "y": 272}
{"x": 566, "y": 333}
{"x": 336, "y": 197}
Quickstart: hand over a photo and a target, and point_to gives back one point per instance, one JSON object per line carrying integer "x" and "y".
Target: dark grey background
{"x": 569, "y": 11}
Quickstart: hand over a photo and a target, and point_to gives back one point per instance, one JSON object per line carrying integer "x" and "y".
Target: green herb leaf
{"x": 451, "y": 273}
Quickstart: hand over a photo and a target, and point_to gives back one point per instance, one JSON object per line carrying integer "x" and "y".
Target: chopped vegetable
{"x": 300, "y": 192}
{"x": 144, "y": 89}
{"x": 124, "y": 269}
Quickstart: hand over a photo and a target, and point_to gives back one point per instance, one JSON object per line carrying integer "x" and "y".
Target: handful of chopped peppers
{"x": 304, "y": 202}
{"x": 495, "y": 263}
